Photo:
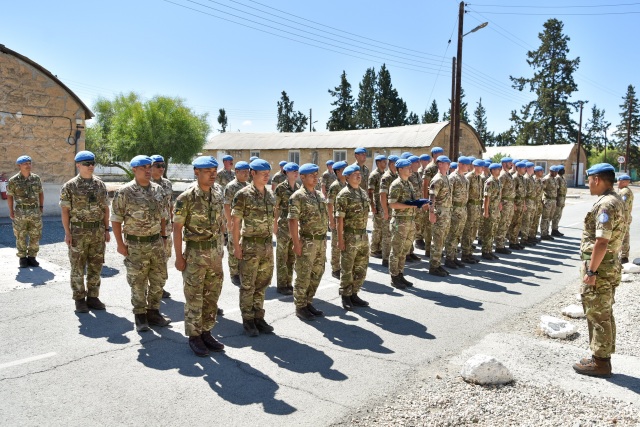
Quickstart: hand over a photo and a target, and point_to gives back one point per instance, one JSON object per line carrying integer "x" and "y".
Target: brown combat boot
{"x": 197, "y": 345}
{"x": 142, "y": 325}
{"x": 595, "y": 367}
{"x": 211, "y": 343}
{"x": 81, "y": 306}
{"x": 263, "y": 326}
{"x": 249, "y": 326}
{"x": 95, "y": 303}
{"x": 155, "y": 318}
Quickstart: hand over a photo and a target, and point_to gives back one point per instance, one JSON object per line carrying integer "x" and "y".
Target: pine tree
{"x": 594, "y": 138}
{"x": 432, "y": 115}
{"x": 547, "y": 119}
{"x": 480, "y": 121}
{"x": 365, "y": 105}
{"x": 288, "y": 120}
{"x": 629, "y": 125}
{"x": 464, "y": 116}
{"x": 342, "y": 117}
{"x": 390, "y": 109}
{"x": 222, "y": 120}
{"x": 413, "y": 119}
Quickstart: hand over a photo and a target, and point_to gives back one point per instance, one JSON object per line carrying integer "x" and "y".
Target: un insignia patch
{"x": 624, "y": 198}
{"x": 603, "y": 217}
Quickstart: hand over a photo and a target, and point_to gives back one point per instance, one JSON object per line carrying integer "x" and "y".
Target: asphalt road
{"x": 62, "y": 368}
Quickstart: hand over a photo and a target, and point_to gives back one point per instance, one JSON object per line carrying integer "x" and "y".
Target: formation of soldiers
{"x": 424, "y": 202}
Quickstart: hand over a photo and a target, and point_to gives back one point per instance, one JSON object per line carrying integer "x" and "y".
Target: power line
{"x": 556, "y": 14}
{"x": 554, "y": 7}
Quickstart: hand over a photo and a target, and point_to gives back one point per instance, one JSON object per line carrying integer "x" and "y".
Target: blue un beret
{"x": 282, "y": 163}
{"x": 330, "y": 162}
{"x": 624, "y": 178}
{"x": 205, "y": 162}
{"x": 360, "y": 150}
{"x": 515, "y": 160}
{"x": 478, "y": 162}
{"x": 425, "y": 157}
{"x": 84, "y": 156}
{"x": 227, "y": 157}
{"x": 242, "y": 166}
{"x": 252, "y": 158}
{"x": 393, "y": 158}
{"x": 538, "y": 169}
{"x": 291, "y": 167}
{"x": 380, "y": 157}
{"x": 402, "y": 163}
{"x": 339, "y": 165}
{"x": 493, "y": 166}
{"x": 472, "y": 158}
{"x": 308, "y": 168}
{"x": 599, "y": 168}
{"x": 530, "y": 164}
{"x": 350, "y": 169}
{"x": 414, "y": 159}
{"x": 156, "y": 158}
{"x": 140, "y": 161}
{"x": 260, "y": 165}
{"x": 453, "y": 165}
{"x": 464, "y": 160}
{"x": 487, "y": 163}
{"x": 521, "y": 165}
{"x": 406, "y": 155}
{"x": 436, "y": 150}
{"x": 553, "y": 168}
{"x": 506, "y": 160}
{"x": 560, "y": 167}
{"x": 23, "y": 159}
{"x": 443, "y": 159}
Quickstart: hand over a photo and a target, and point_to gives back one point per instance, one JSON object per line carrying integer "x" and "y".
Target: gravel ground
{"x": 439, "y": 397}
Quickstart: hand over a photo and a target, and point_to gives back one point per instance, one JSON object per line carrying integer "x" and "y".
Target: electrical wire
{"x": 554, "y": 7}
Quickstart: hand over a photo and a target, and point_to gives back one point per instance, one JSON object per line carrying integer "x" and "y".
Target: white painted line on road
{"x": 27, "y": 360}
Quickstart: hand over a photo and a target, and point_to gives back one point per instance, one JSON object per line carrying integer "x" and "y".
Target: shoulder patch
{"x": 603, "y": 217}
{"x": 624, "y": 198}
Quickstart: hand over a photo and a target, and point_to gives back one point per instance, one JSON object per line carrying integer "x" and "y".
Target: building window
{"x": 294, "y": 156}
{"x": 543, "y": 164}
{"x": 339, "y": 155}
{"x": 254, "y": 153}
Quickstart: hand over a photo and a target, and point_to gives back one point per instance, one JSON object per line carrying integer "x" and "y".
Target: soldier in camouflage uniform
{"x": 439, "y": 214}
{"x": 360, "y": 154}
{"x": 138, "y": 216}
{"x": 328, "y": 178}
{"x": 474, "y": 211}
{"x": 506, "y": 214}
{"x": 459, "y": 198}
{"x": 240, "y": 181}
{"x": 226, "y": 175}
{"x": 604, "y": 228}
{"x": 279, "y": 177}
{"x": 25, "y": 188}
{"x": 376, "y": 208}
{"x": 416, "y": 180}
{"x": 385, "y": 183}
{"x": 429, "y": 172}
{"x": 421, "y": 216}
{"x": 492, "y": 193}
{"x": 254, "y": 220}
{"x": 199, "y": 221}
{"x": 307, "y": 225}
{"x": 519, "y": 205}
{"x": 535, "y": 220}
{"x": 352, "y": 214}
{"x": 560, "y": 200}
{"x": 626, "y": 195}
{"x": 85, "y": 218}
{"x": 285, "y": 255}
{"x": 334, "y": 189}
{"x": 529, "y": 199}
{"x": 549, "y": 200}
{"x": 157, "y": 171}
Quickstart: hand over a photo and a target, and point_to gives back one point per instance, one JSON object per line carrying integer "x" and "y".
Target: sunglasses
{"x": 88, "y": 163}
{"x": 159, "y": 165}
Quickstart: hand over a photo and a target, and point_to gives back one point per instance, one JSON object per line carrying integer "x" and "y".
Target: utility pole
{"x": 456, "y": 139}
{"x": 452, "y": 115}
{"x": 578, "y": 156}
{"x": 310, "y": 121}
{"x": 629, "y": 133}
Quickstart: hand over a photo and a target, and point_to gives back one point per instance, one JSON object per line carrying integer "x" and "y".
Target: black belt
{"x": 142, "y": 239}
{"x": 313, "y": 236}
{"x": 262, "y": 240}
{"x": 203, "y": 244}
{"x": 354, "y": 230}
{"x": 26, "y": 205}
{"x": 79, "y": 224}
{"x": 586, "y": 256}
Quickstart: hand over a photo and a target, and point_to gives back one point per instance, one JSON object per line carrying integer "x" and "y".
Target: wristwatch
{"x": 592, "y": 273}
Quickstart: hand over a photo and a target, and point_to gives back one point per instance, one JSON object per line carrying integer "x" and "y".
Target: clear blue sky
{"x": 166, "y": 47}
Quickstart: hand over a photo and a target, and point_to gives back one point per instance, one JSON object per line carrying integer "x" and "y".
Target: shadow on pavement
{"x": 445, "y": 300}
{"x": 36, "y": 276}
{"x": 102, "y": 324}
{"x": 109, "y": 271}
{"x": 173, "y": 309}
{"x": 349, "y": 336}
{"x": 626, "y": 381}
{"x": 395, "y": 324}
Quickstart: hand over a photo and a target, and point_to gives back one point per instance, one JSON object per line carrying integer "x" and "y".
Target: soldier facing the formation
{"x": 560, "y": 200}
{"x": 549, "y": 200}
{"x": 627, "y": 197}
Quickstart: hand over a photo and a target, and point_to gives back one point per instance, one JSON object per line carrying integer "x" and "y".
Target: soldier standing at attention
{"x": 627, "y": 197}
{"x": 199, "y": 215}
{"x": 334, "y": 189}
{"x": 529, "y": 198}
{"x": 279, "y": 176}
{"x": 361, "y": 158}
{"x": 376, "y": 208}
{"x": 538, "y": 172}
{"x": 308, "y": 228}
{"x": 328, "y": 178}
{"x": 226, "y": 175}
{"x": 439, "y": 215}
{"x": 506, "y": 214}
{"x": 352, "y": 213}
{"x": 549, "y": 200}
{"x": 560, "y": 200}
{"x": 157, "y": 171}
{"x": 459, "y": 198}
{"x": 285, "y": 255}
{"x": 519, "y": 205}
{"x": 26, "y": 189}
{"x": 85, "y": 218}
{"x": 474, "y": 212}
{"x": 416, "y": 180}
{"x": 491, "y": 208}
{"x": 429, "y": 172}
{"x": 254, "y": 220}
{"x": 138, "y": 215}
{"x": 385, "y": 182}
{"x": 419, "y": 238}
{"x": 604, "y": 228}
{"x": 238, "y": 183}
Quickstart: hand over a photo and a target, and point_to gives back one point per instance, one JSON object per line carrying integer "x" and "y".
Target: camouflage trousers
{"x": 309, "y": 270}
{"x": 516, "y": 224}
{"x": 386, "y": 239}
{"x": 27, "y": 224}
{"x": 86, "y": 251}
{"x": 456, "y": 227}
{"x": 548, "y": 210}
{"x": 527, "y": 218}
{"x": 146, "y": 274}
{"x": 474, "y": 215}
{"x": 256, "y": 271}
{"x": 232, "y": 261}
{"x": 439, "y": 232}
{"x": 535, "y": 220}
{"x": 426, "y": 233}
{"x": 168, "y": 249}
{"x": 557, "y": 214}
{"x": 202, "y": 281}
{"x": 402, "y": 232}
{"x": 376, "y": 235}
{"x": 626, "y": 247}
{"x": 285, "y": 258}
{"x": 335, "y": 251}
{"x": 597, "y": 303}
{"x": 421, "y": 217}
{"x": 488, "y": 229}
{"x": 354, "y": 261}
{"x": 506, "y": 215}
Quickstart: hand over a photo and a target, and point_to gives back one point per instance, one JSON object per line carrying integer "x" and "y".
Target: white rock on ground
{"x": 630, "y": 267}
{"x": 556, "y": 328}
{"x": 627, "y": 278}
{"x": 485, "y": 370}
{"x": 578, "y": 297}
{"x": 574, "y": 311}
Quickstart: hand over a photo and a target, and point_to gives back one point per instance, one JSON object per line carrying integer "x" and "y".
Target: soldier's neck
{"x": 25, "y": 174}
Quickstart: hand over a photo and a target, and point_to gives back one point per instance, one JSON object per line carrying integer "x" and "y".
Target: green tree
{"x": 342, "y": 116}
{"x": 480, "y": 122}
{"x": 498, "y": 157}
{"x": 595, "y": 136}
{"x": 504, "y": 139}
{"x": 412, "y": 119}
{"x": 289, "y": 120}
{"x": 629, "y": 125}
{"x": 464, "y": 115}
{"x": 432, "y": 115}
{"x": 390, "y": 109}
{"x": 222, "y": 120}
{"x": 365, "y": 105}
{"x": 547, "y": 119}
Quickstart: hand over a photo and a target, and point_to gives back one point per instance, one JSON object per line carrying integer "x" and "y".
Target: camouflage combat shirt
{"x": 200, "y": 212}
{"x": 549, "y": 188}
{"x": 400, "y": 192}
{"x": 508, "y": 186}
{"x": 387, "y": 179}
{"x": 25, "y": 191}
{"x": 459, "y": 189}
{"x": 256, "y": 210}
{"x": 224, "y": 177}
{"x": 605, "y": 220}
{"x": 562, "y": 186}
{"x": 352, "y": 204}
{"x": 374, "y": 185}
{"x": 310, "y": 209}
{"x": 231, "y": 189}
{"x": 519, "y": 189}
{"x": 415, "y": 180}
{"x": 283, "y": 195}
{"x": 328, "y": 178}
{"x": 333, "y": 193}
{"x": 493, "y": 190}
{"x": 86, "y": 199}
{"x": 167, "y": 187}
{"x": 139, "y": 209}
{"x": 430, "y": 171}
{"x": 364, "y": 170}
{"x": 627, "y": 197}
{"x": 475, "y": 186}
{"x": 278, "y": 178}
{"x": 440, "y": 191}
